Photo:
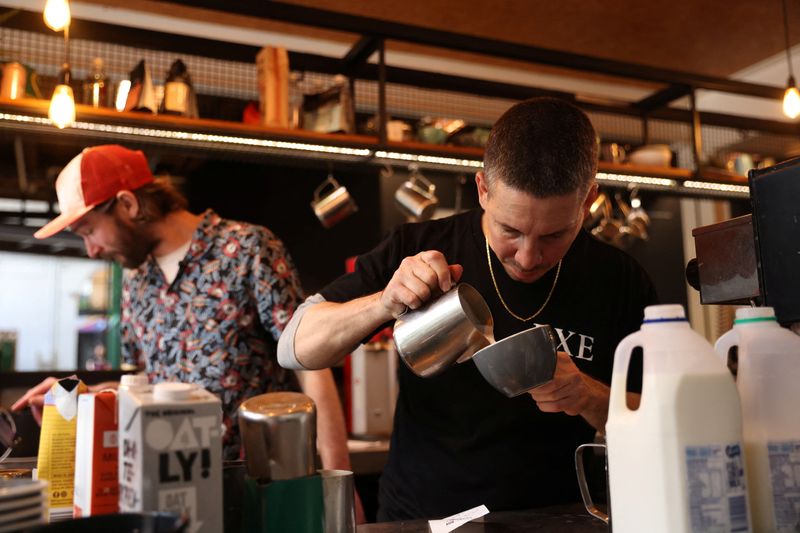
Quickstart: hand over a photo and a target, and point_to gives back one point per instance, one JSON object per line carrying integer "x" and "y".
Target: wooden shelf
{"x": 108, "y": 125}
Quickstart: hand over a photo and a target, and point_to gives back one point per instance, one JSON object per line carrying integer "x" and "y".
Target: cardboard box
{"x": 56, "y": 461}
{"x": 170, "y": 453}
{"x": 96, "y": 471}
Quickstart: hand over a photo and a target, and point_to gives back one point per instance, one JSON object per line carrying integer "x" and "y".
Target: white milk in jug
{"x": 768, "y": 379}
{"x": 676, "y": 463}
{"x": 170, "y": 453}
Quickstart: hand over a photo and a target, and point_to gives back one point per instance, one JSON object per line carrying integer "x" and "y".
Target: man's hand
{"x": 34, "y": 398}
{"x": 417, "y": 279}
{"x": 574, "y": 393}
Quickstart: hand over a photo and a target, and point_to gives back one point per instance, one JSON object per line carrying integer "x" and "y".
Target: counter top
{"x": 560, "y": 519}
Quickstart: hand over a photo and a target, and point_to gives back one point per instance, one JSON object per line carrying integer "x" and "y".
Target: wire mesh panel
{"x": 45, "y": 54}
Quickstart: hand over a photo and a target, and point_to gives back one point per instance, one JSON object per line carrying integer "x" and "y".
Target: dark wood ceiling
{"x": 712, "y": 37}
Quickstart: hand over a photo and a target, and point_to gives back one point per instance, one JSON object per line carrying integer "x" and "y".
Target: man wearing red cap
{"x": 204, "y": 300}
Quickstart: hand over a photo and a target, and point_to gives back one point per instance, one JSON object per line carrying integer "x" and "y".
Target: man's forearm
{"x": 328, "y": 331}
{"x": 596, "y": 411}
{"x": 331, "y": 432}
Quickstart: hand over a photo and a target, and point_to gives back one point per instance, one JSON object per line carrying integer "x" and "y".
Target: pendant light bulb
{"x": 56, "y": 14}
{"x": 791, "y": 100}
{"x": 62, "y": 107}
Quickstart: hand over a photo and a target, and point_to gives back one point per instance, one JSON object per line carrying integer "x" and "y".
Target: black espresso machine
{"x": 755, "y": 259}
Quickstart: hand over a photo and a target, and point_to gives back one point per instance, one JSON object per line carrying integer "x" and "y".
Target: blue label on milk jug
{"x": 717, "y": 492}
{"x": 784, "y": 471}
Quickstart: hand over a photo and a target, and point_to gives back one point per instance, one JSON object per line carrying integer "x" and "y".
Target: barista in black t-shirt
{"x": 457, "y": 442}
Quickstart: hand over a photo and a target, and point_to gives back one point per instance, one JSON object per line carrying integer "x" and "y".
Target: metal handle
{"x": 321, "y": 187}
{"x": 430, "y": 188}
{"x": 585, "y": 495}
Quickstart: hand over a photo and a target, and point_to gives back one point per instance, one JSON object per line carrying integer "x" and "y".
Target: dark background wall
{"x": 279, "y": 197}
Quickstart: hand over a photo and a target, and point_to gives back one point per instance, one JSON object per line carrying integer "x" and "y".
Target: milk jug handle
{"x": 725, "y": 343}
{"x": 619, "y": 377}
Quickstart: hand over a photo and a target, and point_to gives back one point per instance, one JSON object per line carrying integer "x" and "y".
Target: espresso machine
{"x": 755, "y": 259}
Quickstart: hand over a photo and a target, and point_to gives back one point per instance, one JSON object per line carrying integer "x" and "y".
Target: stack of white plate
{"x": 23, "y": 503}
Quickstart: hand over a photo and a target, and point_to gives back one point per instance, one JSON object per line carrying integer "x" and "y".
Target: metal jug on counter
{"x": 286, "y": 492}
{"x": 279, "y": 431}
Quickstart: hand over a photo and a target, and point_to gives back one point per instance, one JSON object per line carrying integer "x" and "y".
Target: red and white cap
{"x": 95, "y": 176}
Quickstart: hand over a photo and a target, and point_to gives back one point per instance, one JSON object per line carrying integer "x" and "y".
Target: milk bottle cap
{"x": 131, "y": 381}
{"x": 664, "y": 313}
{"x": 745, "y": 315}
{"x": 172, "y": 392}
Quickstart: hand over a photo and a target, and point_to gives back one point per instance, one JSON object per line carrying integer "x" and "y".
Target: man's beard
{"x": 134, "y": 244}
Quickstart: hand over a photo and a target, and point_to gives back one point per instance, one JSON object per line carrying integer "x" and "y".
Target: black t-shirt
{"x": 457, "y": 442}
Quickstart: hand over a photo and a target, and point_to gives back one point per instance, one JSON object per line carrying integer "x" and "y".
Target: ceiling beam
{"x": 333, "y": 20}
{"x": 360, "y": 52}
{"x": 662, "y": 98}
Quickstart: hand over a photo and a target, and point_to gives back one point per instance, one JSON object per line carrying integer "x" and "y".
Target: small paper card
{"x": 457, "y": 520}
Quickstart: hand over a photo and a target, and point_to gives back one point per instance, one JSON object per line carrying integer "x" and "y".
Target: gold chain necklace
{"x": 505, "y": 305}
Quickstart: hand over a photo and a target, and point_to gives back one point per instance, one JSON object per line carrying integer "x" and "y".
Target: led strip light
{"x": 197, "y": 137}
{"x": 638, "y": 180}
{"x": 430, "y": 159}
{"x": 717, "y": 187}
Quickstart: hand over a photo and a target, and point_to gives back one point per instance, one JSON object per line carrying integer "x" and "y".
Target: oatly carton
{"x": 96, "y": 478}
{"x": 170, "y": 453}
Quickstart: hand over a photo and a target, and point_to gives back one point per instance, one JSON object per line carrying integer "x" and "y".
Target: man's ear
{"x": 130, "y": 204}
{"x": 591, "y": 196}
{"x": 483, "y": 188}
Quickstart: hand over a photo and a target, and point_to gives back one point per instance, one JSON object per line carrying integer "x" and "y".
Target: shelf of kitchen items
{"x": 104, "y": 125}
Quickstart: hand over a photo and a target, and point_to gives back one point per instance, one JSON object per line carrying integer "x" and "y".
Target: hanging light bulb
{"x": 791, "y": 100}
{"x": 62, "y": 104}
{"x": 56, "y": 14}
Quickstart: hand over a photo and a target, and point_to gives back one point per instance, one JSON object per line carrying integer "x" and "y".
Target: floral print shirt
{"x": 217, "y": 324}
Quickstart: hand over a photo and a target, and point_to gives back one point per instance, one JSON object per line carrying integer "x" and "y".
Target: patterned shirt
{"x": 217, "y": 324}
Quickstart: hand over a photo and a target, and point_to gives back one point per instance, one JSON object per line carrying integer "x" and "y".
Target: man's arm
{"x": 327, "y": 331}
{"x": 331, "y": 435}
{"x": 34, "y": 397}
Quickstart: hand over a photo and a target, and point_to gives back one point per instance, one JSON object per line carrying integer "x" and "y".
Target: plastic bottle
{"x": 676, "y": 463}
{"x": 95, "y": 88}
{"x": 768, "y": 379}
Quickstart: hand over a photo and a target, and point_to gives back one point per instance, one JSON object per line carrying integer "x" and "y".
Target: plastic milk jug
{"x": 676, "y": 463}
{"x": 768, "y": 380}
{"x": 170, "y": 453}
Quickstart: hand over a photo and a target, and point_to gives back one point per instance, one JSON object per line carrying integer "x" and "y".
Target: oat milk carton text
{"x": 170, "y": 453}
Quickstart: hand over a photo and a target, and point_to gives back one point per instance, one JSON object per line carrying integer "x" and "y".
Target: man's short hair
{"x": 542, "y": 146}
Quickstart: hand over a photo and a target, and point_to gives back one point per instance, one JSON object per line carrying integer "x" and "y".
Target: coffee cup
{"x": 580, "y": 469}
{"x": 338, "y": 496}
{"x": 416, "y": 197}
{"x": 332, "y": 202}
